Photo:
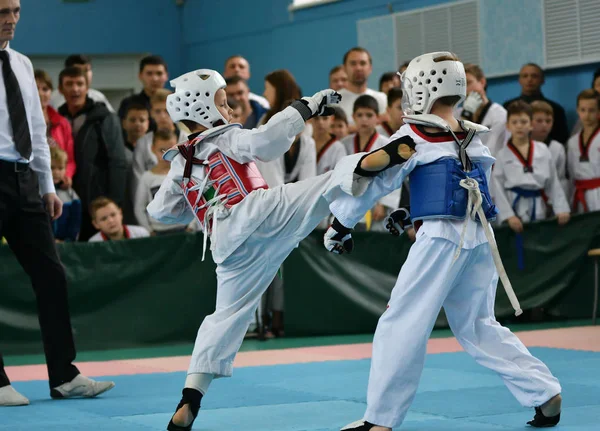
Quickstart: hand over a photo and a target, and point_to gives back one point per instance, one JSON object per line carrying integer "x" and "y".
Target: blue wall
{"x": 51, "y": 27}
{"x": 204, "y": 33}
{"x": 309, "y": 42}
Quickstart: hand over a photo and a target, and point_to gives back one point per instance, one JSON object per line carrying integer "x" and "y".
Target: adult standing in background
{"x": 25, "y": 217}
{"x": 359, "y": 66}
{"x": 531, "y": 79}
{"x": 236, "y": 65}
{"x": 84, "y": 63}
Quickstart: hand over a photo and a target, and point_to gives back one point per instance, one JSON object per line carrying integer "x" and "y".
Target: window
{"x": 302, "y": 4}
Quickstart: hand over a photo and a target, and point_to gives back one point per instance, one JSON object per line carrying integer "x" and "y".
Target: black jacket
{"x": 560, "y": 131}
{"x": 99, "y": 154}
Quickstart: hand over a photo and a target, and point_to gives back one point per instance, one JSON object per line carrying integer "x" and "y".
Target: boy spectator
{"x": 338, "y": 78}
{"x": 481, "y": 110}
{"x": 150, "y": 182}
{"x": 583, "y": 154}
{"x": 66, "y": 227}
{"x": 543, "y": 116}
{"x": 108, "y": 219}
{"x": 394, "y": 113}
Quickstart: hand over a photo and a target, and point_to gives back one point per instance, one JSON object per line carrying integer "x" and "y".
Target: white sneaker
{"x": 81, "y": 386}
{"x": 10, "y": 397}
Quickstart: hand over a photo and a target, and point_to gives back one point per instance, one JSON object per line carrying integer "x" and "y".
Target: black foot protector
{"x": 541, "y": 421}
{"x": 191, "y": 397}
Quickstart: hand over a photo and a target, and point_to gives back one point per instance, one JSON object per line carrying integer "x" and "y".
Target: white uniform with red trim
{"x": 385, "y": 130}
{"x": 129, "y": 232}
{"x": 392, "y": 200}
{"x": 433, "y": 277}
{"x": 514, "y": 173}
{"x": 559, "y": 156}
{"x": 583, "y": 164}
{"x": 328, "y": 156}
{"x": 252, "y": 238}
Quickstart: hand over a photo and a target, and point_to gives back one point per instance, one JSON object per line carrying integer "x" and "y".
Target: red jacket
{"x": 60, "y": 130}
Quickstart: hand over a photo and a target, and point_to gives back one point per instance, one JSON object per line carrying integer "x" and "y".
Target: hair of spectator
{"x": 336, "y": 69}
{"x": 99, "y": 203}
{"x": 152, "y": 60}
{"x": 403, "y": 65}
{"x": 537, "y": 66}
{"x": 286, "y": 89}
{"x": 394, "y": 94}
{"x": 235, "y": 79}
{"x": 357, "y": 49}
{"x": 164, "y": 135}
{"x": 136, "y": 105}
{"x": 541, "y": 106}
{"x": 44, "y": 77}
{"x": 339, "y": 114}
{"x": 519, "y": 107}
{"x": 233, "y": 104}
{"x": 386, "y": 77}
{"x": 589, "y": 94}
{"x": 72, "y": 72}
{"x": 160, "y": 96}
{"x": 233, "y": 57}
{"x": 58, "y": 156}
{"x": 596, "y": 76}
{"x": 77, "y": 59}
{"x": 474, "y": 70}
{"x": 366, "y": 101}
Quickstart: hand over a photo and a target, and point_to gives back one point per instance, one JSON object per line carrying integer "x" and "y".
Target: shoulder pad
{"x": 477, "y": 127}
{"x": 429, "y": 120}
{"x": 435, "y": 121}
{"x": 170, "y": 154}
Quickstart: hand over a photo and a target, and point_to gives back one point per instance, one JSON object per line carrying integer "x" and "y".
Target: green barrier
{"x": 156, "y": 290}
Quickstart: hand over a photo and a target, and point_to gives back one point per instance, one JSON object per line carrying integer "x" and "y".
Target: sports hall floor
{"x": 311, "y": 384}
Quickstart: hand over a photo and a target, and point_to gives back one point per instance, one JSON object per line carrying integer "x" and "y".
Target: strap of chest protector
{"x": 188, "y": 151}
{"x": 465, "y": 161}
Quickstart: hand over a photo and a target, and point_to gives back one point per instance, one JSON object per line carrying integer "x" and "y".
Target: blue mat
{"x": 455, "y": 394}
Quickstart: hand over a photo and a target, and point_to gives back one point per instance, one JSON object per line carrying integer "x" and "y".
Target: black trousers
{"x": 26, "y": 226}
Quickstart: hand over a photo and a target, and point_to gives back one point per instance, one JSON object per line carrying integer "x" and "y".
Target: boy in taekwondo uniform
{"x": 453, "y": 261}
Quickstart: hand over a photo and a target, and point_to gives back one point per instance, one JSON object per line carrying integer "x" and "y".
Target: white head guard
{"x": 427, "y": 79}
{"x": 194, "y": 98}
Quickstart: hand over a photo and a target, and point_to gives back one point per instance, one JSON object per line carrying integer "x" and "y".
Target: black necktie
{"x": 16, "y": 108}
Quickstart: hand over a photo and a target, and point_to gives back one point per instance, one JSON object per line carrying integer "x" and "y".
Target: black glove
{"x": 398, "y": 221}
{"x": 338, "y": 239}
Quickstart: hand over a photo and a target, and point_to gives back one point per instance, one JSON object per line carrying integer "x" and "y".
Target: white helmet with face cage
{"x": 194, "y": 98}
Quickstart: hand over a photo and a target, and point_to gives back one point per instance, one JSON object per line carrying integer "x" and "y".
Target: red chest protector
{"x": 226, "y": 184}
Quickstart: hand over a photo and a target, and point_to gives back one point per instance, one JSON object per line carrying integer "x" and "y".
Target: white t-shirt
{"x": 348, "y": 99}
{"x": 130, "y": 233}
{"x": 146, "y": 189}
{"x": 261, "y": 100}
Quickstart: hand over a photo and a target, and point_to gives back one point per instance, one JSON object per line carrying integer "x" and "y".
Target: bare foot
{"x": 552, "y": 406}
{"x": 183, "y": 417}
{"x": 377, "y": 428}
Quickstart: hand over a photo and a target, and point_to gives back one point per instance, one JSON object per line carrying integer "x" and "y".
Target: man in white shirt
{"x": 359, "y": 66}
{"x": 83, "y": 62}
{"x": 236, "y": 65}
{"x": 25, "y": 175}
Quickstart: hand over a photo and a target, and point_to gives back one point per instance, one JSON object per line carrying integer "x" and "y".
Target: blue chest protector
{"x": 435, "y": 191}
